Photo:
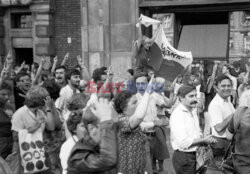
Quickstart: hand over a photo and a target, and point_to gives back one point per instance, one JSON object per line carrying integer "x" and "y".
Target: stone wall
{"x": 108, "y": 28}
{"x": 67, "y": 23}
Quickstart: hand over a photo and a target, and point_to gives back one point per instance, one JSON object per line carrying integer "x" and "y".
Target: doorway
{"x": 24, "y": 54}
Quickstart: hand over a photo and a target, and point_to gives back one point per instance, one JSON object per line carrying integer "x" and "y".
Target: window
{"x": 168, "y": 25}
{"x": 21, "y": 20}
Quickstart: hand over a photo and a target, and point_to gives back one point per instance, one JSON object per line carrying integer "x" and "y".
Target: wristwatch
{"x": 48, "y": 110}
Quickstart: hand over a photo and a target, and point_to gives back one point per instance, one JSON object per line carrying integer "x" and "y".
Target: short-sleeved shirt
{"x": 184, "y": 127}
{"x": 23, "y": 118}
{"x": 242, "y": 137}
{"x": 219, "y": 109}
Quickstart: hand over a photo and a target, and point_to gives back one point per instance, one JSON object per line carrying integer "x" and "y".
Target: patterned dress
{"x": 131, "y": 148}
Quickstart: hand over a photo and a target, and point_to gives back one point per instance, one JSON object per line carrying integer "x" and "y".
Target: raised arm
{"x": 66, "y": 57}
{"x": 211, "y": 83}
{"x": 50, "y": 120}
{"x": 140, "y": 36}
{"x": 84, "y": 71}
{"x": 141, "y": 109}
{"x": 151, "y": 40}
{"x": 39, "y": 72}
{"x": 54, "y": 64}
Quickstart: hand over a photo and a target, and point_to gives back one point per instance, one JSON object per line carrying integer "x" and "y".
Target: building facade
{"x": 102, "y": 31}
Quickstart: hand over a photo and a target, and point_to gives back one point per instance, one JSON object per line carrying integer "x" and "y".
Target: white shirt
{"x": 93, "y": 98}
{"x": 65, "y": 94}
{"x": 65, "y": 152}
{"x": 184, "y": 127}
{"x": 219, "y": 109}
{"x": 23, "y": 118}
{"x": 147, "y": 124}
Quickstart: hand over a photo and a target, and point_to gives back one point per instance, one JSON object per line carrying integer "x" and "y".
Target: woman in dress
{"x": 131, "y": 149}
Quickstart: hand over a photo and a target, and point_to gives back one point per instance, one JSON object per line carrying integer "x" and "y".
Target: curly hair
{"x": 77, "y": 101}
{"x": 74, "y": 119}
{"x": 121, "y": 101}
{"x": 35, "y": 97}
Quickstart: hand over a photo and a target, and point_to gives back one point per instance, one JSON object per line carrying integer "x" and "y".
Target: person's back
{"x": 242, "y": 145}
{"x": 240, "y": 124}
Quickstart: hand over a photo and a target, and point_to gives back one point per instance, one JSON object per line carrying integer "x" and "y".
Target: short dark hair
{"x": 131, "y": 72}
{"x": 71, "y": 72}
{"x": 121, "y": 101}
{"x": 77, "y": 66}
{"x": 74, "y": 119}
{"x": 53, "y": 88}
{"x": 21, "y": 74}
{"x": 185, "y": 89}
{"x": 61, "y": 67}
{"x": 227, "y": 66}
{"x": 220, "y": 78}
{"x": 98, "y": 73}
{"x": 236, "y": 64}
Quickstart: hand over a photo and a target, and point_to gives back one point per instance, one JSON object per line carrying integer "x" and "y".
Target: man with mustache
{"x": 221, "y": 110}
{"x": 60, "y": 75}
{"x": 185, "y": 132}
{"x": 73, "y": 79}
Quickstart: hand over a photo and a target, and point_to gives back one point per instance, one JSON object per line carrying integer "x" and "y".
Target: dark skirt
{"x": 160, "y": 150}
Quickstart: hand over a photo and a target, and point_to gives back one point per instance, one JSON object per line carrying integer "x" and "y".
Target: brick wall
{"x": 67, "y": 23}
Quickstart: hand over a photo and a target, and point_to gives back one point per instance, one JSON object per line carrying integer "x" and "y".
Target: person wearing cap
{"x": 186, "y": 132}
{"x": 150, "y": 120}
{"x": 221, "y": 111}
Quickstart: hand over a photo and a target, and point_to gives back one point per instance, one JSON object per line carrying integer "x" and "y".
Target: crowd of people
{"x": 90, "y": 125}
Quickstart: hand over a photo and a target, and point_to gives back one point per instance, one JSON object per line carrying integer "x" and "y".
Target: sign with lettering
{"x": 165, "y": 59}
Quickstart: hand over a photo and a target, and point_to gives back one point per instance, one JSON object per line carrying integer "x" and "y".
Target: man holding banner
{"x": 141, "y": 47}
{"x": 158, "y": 54}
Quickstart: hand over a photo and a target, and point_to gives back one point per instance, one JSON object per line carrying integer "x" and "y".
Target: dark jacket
{"x": 87, "y": 158}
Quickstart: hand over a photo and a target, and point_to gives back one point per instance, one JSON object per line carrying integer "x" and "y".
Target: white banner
{"x": 147, "y": 21}
{"x": 170, "y": 53}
